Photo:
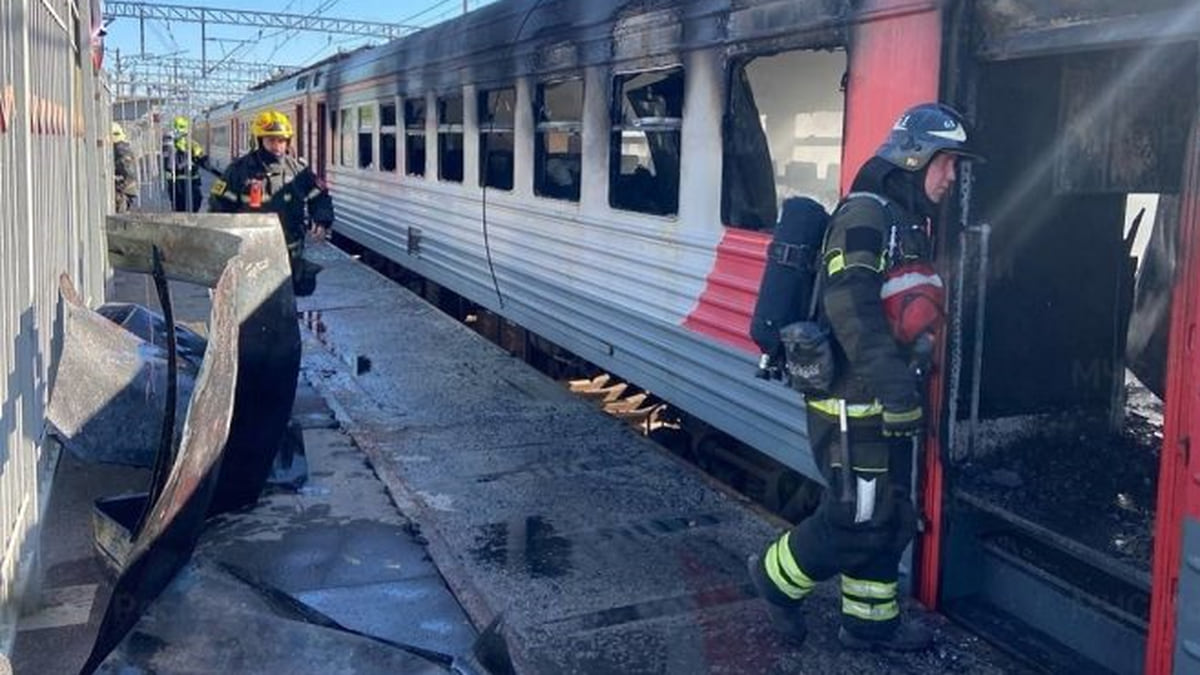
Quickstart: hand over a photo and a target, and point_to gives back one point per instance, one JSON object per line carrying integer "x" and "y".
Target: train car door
{"x": 1072, "y": 386}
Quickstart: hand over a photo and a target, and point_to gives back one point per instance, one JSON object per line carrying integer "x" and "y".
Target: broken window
{"x": 496, "y": 139}
{"x": 645, "y": 143}
{"x": 558, "y": 144}
{"x": 366, "y": 136}
{"x": 450, "y": 138}
{"x": 782, "y": 134}
{"x": 346, "y": 137}
{"x": 414, "y": 136}
{"x": 387, "y": 136}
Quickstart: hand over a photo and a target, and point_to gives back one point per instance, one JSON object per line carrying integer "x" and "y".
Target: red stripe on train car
{"x": 724, "y": 308}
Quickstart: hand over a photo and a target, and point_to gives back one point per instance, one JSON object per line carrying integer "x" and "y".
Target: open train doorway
{"x": 1059, "y": 346}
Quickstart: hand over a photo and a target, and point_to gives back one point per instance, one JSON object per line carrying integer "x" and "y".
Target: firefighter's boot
{"x": 908, "y": 636}
{"x": 786, "y": 614}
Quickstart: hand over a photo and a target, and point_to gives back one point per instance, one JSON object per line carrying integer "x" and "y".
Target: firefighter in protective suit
{"x": 270, "y": 180}
{"x": 882, "y": 302}
{"x": 125, "y": 182}
{"x": 181, "y": 166}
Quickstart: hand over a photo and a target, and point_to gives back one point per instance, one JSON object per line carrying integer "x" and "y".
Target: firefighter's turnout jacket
{"x": 867, "y": 238}
{"x": 175, "y": 162}
{"x": 260, "y": 182}
{"x": 125, "y": 182}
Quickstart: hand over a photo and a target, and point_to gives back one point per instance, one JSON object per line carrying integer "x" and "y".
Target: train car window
{"x": 450, "y": 138}
{"x": 782, "y": 134}
{"x": 346, "y": 140}
{"x": 387, "y": 136}
{"x": 366, "y": 136}
{"x": 644, "y": 162}
{"x": 414, "y": 136}
{"x": 496, "y": 140}
{"x": 220, "y": 137}
{"x": 558, "y": 142}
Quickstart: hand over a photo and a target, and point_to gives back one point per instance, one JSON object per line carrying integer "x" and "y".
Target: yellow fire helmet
{"x": 118, "y": 134}
{"x": 271, "y": 123}
{"x": 181, "y": 125}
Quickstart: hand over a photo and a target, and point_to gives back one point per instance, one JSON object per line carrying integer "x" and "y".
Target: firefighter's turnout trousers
{"x": 861, "y": 540}
{"x": 183, "y": 188}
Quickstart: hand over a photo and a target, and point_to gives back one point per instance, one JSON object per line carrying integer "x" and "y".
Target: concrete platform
{"x": 600, "y": 552}
{"x": 437, "y": 459}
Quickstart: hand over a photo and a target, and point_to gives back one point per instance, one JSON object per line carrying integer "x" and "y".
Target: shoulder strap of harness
{"x": 884, "y": 205}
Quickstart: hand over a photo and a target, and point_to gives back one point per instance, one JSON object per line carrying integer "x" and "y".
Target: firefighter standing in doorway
{"x": 125, "y": 181}
{"x": 883, "y": 302}
{"x": 270, "y": 180}
{"x": 181, "y": 166}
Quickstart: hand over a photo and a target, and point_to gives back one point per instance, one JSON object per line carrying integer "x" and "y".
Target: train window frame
{"x": 220, "y": 137}
{"x": 549, "y": 125}
{"x": 365, "y": 116}
{"x": 497, "y": 132}
{"x": 451, "y": 112}
{"x": 653, "y": 190}
{"x": 750, "y": 151}
{"x": 416, "y": 145}
{"x": 388, "y": 156}
{"x": 347, "y": 120}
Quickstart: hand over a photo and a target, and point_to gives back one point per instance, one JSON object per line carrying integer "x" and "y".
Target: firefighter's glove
{"x": 904, "y": 422}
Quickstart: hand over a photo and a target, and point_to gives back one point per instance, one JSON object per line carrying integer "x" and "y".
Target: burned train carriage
{"x": 606, "y": 174}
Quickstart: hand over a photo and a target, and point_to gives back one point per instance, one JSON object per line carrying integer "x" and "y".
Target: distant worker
{"x": 125, "y": 180}
{"x": 269, "y": 179}
{"x": 182, "y": 162}
{"x": 882, "y": 301}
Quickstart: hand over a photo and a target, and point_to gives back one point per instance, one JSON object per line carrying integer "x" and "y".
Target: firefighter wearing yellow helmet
{"x": 269, "y": 179}
{"x": 182, "y": 162}
{"x": 125, "y": 184}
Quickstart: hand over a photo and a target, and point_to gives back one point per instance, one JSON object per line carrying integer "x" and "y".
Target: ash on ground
{"x": 1086, "y": 483}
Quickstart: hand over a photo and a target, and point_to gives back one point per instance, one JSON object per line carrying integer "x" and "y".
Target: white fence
{"x": 55, "y": 188}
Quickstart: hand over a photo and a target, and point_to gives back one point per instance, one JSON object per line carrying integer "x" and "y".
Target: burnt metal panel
{"x": 176, "y": 518}
{"x": 1123, "y": 118}
{"x": 1024, "y": 28}
{"x": 646, "y": 35}
{"x": 110, "y": 385}
{"x": 195, "y": 249}
{"x": 778, "y": 25}
{"x": 1187, "y": 622}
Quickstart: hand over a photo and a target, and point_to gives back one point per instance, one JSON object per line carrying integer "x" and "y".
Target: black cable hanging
{"x": 487, "y": 248}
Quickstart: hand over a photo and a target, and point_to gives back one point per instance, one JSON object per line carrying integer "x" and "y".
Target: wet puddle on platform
{"x": 531, "y": 545}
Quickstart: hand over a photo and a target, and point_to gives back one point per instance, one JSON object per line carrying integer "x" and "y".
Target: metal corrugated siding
{"x": 615, "y": 291}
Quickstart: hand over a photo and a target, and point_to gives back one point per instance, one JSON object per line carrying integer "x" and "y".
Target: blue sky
{"x": 283, "y": 47}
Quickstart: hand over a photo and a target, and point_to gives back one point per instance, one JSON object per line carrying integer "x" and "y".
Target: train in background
{"x": 606, "y": 176}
